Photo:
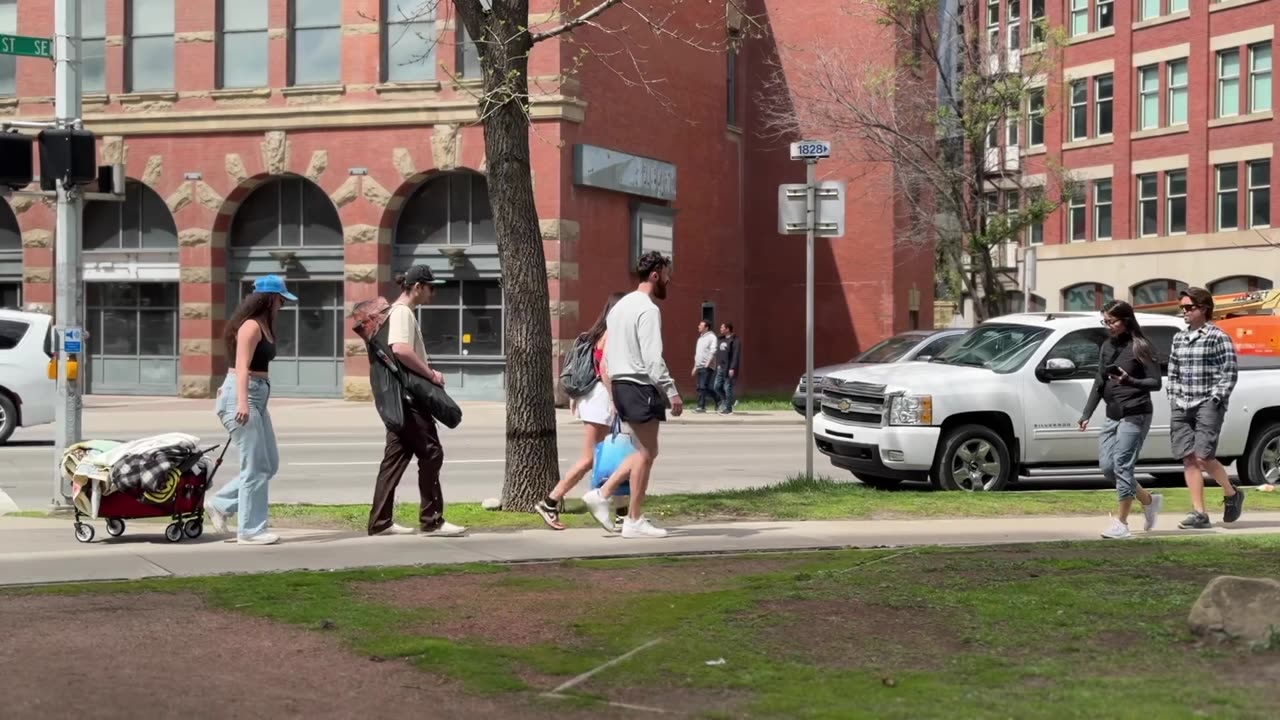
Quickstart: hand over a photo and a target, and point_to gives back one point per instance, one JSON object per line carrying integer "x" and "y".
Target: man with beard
{"x": 642, "y": 390}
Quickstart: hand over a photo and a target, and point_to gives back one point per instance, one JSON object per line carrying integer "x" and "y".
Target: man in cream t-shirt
{"x": 419, "y": 437}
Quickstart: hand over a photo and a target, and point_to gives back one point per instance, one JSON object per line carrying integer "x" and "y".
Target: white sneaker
{"x": 641, "y": 528}
{"x": 600, "y": 509}
{"x": 217, "y": 519}
{"x": 397, "y": 529}
{"x": 447, "y": 529}
{"x": 1117, "y": 531}
{"x": 1151, "y": 513}
{"x": 265, "y": 538}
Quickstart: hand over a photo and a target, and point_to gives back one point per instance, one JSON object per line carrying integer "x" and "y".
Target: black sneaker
{"x": 550, "y": 514}
{"x": 1195, "y": 521}
{"x": 1232, "y": 507}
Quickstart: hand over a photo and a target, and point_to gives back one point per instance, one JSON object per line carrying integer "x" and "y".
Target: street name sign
{"x": 26, "y": 46}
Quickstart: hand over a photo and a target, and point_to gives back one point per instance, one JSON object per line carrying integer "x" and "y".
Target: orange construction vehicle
{"x": 1250, "y": 318}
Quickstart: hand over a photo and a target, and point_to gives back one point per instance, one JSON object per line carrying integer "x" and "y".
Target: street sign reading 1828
{"x": 25, "y": 45}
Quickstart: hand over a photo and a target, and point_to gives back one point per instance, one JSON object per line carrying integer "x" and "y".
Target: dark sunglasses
{"x": 1188, "y": 308}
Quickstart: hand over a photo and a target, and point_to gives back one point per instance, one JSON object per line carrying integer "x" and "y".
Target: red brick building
{"x": 335, "y": 143}
{"x": 1163, "y": 110}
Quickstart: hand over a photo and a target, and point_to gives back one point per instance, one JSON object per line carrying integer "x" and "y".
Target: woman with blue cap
{"x": 242, "y": 409}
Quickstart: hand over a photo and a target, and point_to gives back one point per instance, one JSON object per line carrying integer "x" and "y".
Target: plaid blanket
{"x": 149, "y": 473}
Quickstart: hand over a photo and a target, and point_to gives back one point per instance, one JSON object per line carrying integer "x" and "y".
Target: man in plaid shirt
{"x": 1202, "y": 374}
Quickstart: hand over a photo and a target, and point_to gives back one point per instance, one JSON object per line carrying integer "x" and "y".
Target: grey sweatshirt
{"x": 633, "y": 351}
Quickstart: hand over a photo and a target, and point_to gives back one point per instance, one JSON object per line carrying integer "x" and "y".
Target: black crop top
{"x": 263, "y": 354}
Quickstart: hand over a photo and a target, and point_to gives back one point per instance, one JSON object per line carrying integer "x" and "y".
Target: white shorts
{"x": 596, "y": 407}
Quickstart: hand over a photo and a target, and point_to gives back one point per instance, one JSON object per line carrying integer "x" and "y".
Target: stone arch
{"x": 143, "y": 221}
{"x": 1238, "y": 284}
{"x": 410, "y": 190}
{"x": 1156, "y": 291}
{"x": 312, "y": 202}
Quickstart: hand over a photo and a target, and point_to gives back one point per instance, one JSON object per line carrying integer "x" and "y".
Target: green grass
{"x": 762, "y": 402}
{"x": 798, "y": 498}
{"x": 1058, "y": 630}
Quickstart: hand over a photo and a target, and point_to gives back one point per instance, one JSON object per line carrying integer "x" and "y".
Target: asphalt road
{"x": 330, "y": 449}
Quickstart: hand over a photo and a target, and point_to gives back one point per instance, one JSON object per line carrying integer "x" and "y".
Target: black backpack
{"x": 578, "y": 371}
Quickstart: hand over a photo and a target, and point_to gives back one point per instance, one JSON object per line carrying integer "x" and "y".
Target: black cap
{"x": 420, "y": 274}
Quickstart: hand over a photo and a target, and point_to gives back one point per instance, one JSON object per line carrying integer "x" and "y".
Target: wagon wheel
{"x": 173, "y": 533}
{"x": 84, "y": 533}
{"x": 115, "y": 527}
{"x": 193, "y": 528}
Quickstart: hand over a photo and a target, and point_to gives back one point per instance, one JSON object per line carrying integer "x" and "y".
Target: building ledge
{"x": 296, "y": 90}
{"x": 1035, "y": 150}
{"x": 1242, "y": 119}
{"x": 147, "y": 96}
{"x": 1162, "y": 245}
{"x": 240, "y": 93}
{"x": 405, "y": 88}
{"x": 1159, "y": 132}
{"x": 1109, "y": 32}
{"x": 1162, "y": 20}
{"x": 1091, "y": 142}
{"x": 1230, "y": 4}
{"x": 8, "y": 102}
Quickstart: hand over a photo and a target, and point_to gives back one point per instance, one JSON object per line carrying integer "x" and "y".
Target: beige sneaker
{"x": 641, "y": 528}
{"x": 397, "y": 529}
{"x": 265, "y": 538}
{"x": 446, "y": 529}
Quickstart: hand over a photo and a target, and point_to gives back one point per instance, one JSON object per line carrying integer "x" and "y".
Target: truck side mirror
{"x": 1056, "y": 369}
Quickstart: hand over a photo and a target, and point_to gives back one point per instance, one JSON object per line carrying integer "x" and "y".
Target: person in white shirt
{"x": 642, "y": 389}
{"x": 703, "y": 356}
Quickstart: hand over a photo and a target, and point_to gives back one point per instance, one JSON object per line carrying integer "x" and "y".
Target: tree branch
{"x": 569, "y": 25}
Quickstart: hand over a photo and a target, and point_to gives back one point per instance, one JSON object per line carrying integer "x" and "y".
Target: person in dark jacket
{"x": 728, "y": 359}
{"x": 1128, "y": 372}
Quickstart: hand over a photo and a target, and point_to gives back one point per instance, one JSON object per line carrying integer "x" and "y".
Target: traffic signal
{"x": 67, "y": 154}
{"x": 16, "y": 160}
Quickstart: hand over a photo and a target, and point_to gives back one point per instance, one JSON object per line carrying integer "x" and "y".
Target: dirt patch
{"x": 538, "y": 604}
{"x": 109, "y": 656}
{"x": 852, "y": 634}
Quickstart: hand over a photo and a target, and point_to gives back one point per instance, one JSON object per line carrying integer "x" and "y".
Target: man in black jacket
{"x": 728, "y": 357}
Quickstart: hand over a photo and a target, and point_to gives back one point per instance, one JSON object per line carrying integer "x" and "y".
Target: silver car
{"x": 912, "y": 345}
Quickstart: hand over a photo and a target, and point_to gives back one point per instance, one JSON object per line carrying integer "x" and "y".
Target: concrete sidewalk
{"x": 45, "y": 551}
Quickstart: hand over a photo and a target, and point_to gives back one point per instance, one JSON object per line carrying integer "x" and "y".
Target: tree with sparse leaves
{"x": 504, "y": 40}
{"x": 934, "y": 112}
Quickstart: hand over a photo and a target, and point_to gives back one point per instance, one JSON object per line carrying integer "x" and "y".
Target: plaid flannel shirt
{"x": 1202, "y": 365}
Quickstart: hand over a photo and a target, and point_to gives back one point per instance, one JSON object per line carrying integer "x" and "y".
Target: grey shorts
{"x": 1195, "y": 431}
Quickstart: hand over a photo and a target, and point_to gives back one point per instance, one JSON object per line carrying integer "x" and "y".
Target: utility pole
{"x": 68, "y": 288}
{"x": 810, "y": 219}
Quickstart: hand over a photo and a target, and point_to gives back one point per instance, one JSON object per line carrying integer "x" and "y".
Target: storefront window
{"x": 464, "y": 319}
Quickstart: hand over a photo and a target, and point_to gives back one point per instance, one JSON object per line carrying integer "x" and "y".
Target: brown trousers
{"x": 419, "y": 438}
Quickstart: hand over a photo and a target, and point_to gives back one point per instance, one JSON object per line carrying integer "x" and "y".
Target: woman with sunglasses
{"x": 1128, "y": 373}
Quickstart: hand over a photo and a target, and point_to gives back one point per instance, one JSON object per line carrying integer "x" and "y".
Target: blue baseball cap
{"x": 273, "y": 284}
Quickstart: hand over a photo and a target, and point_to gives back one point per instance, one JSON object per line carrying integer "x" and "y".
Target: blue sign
{"x": 71, "y": 340}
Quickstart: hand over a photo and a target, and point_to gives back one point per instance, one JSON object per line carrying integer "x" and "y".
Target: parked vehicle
{"x": 1003, "y": 402}
{"x": 27, "y": 395}
{"x": 909, "y": 346}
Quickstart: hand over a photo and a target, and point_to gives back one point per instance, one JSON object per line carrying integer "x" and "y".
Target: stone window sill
{"x": 1109, "y": 32}
{"x": 1159, "y": 132}
{"x": 1162, "y": 20}
{"x": 395, "y": 88}
{"x": 240, "y": 93}
{"x": 1229, "y": 4}
{"x": 1242, "y": 119}
{"x": 314, "y": 90}
{"x": 1091, "y": 142}
{"x": 1035, "y": 150}
{"x": 148, "y": 96}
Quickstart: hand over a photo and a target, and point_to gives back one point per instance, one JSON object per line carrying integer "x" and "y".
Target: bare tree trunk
{"x": 532, "y": 467}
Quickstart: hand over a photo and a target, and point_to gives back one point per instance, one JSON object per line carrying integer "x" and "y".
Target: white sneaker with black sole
{"x": 641, "y": 528}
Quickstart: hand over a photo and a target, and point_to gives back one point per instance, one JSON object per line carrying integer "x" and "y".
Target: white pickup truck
{"x": 1004, "y": 402}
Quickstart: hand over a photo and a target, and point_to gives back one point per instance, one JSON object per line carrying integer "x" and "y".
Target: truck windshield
{"x": 1000, "y": 348}
{"x": 888, "y": 350}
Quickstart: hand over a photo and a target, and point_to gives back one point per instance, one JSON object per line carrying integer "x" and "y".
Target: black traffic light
{"x": 16, "y": 160}
{"x": 69, "y": 155}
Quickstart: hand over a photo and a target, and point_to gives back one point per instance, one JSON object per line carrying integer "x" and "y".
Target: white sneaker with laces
{"x": 265, "y": 538}
{"x": 446, "y": 529}
{"x": 600, "y": 509}
{"x": 641, "y": 528}
{"x": 397, "y": 529}
{"x": 217, "y": 519}
{"x": 1117, "y": 531}
{"x": 1151, "y": 513}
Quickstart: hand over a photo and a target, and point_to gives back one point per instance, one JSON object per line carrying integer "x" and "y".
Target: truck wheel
{"x": 8, "y": 418}
{"x": 1261, "y": 464}
{"x": 877, "y": 482}
{"x": 973, "y": 458}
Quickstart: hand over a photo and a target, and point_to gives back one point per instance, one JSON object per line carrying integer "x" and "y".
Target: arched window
{"x": 10, "y": 233}
{"x": 1152, "y": 292}
{"x": 1087, "y": 296}
{"x": 142, "y": 221}
{"x": 1015, "y": 300}
{"x": 288, "y": 211}
{"x": 449, "y": 209}
{"x": 1239, "y": 284}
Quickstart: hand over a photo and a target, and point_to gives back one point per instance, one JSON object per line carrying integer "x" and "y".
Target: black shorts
{"x": 638, "y": 404}
{"x": 1195, "y": 431}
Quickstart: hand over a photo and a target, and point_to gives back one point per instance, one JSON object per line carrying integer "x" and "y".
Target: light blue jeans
{"x": 1119, "y": 444}
{"x": 246, "y": 496}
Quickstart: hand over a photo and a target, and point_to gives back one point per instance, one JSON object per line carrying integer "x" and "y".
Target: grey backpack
{"x": 578, "y": 371}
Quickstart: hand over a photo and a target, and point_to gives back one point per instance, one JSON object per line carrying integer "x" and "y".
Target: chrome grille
{"x": 853, "y": 402}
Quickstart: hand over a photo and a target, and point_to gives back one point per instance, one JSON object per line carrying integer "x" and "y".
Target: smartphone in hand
{"x": 1113, "y": 370}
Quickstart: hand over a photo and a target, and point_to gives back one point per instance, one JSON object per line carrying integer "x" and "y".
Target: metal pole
{"x": 67, "y": 238}
{"x": 811, "y": 176}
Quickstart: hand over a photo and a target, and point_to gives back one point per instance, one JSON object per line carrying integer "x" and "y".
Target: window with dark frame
{"x": 449, "y": 209}
{"x": 132, "y": 319}
{"x": 1175, "y": 198}
{"x": 468, "y": 59}
{"x": 286, "y": 212}
{"x": 1087, "y": 296}
{"x": 1035, "y": 116}
{"x": 141, "y": 222}
{"x": 1148, "y": 205}
{"x": 1079, "y": 110}
{"x": 1259, "y": 177}
{"x": 409, "y": 39}
{"x": 1239, "y": 284}
{"x": 1103, "y": 104}
{"x": 1152, "y": 292}
{"x": 1106, "y": 14}
{"x": 1038, "y": 22}
{"x": 243, "y": 49}
{"x": 151, "y": 45}
{"x": 1227, "y": 205}
{"x": 1076, "y": 215}
{"x": 465, "y": 319}
{"x": 315, "y": 42}
{"x": 1102, "y": 209}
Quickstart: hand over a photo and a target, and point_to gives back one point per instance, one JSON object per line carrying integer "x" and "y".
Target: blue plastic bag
{"x": 610, "y": 453}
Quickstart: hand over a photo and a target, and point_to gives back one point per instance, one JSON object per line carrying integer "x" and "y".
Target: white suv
{"x": 27, "y": 395}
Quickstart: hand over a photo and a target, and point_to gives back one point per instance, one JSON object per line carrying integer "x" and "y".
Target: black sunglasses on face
{"x": 1188, "y": 308}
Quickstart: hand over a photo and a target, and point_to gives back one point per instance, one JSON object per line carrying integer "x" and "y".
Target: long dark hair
{"x": 255, "y": 306}
{"x": 597, "y": 331}
{"x": 1123, "y": 312}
